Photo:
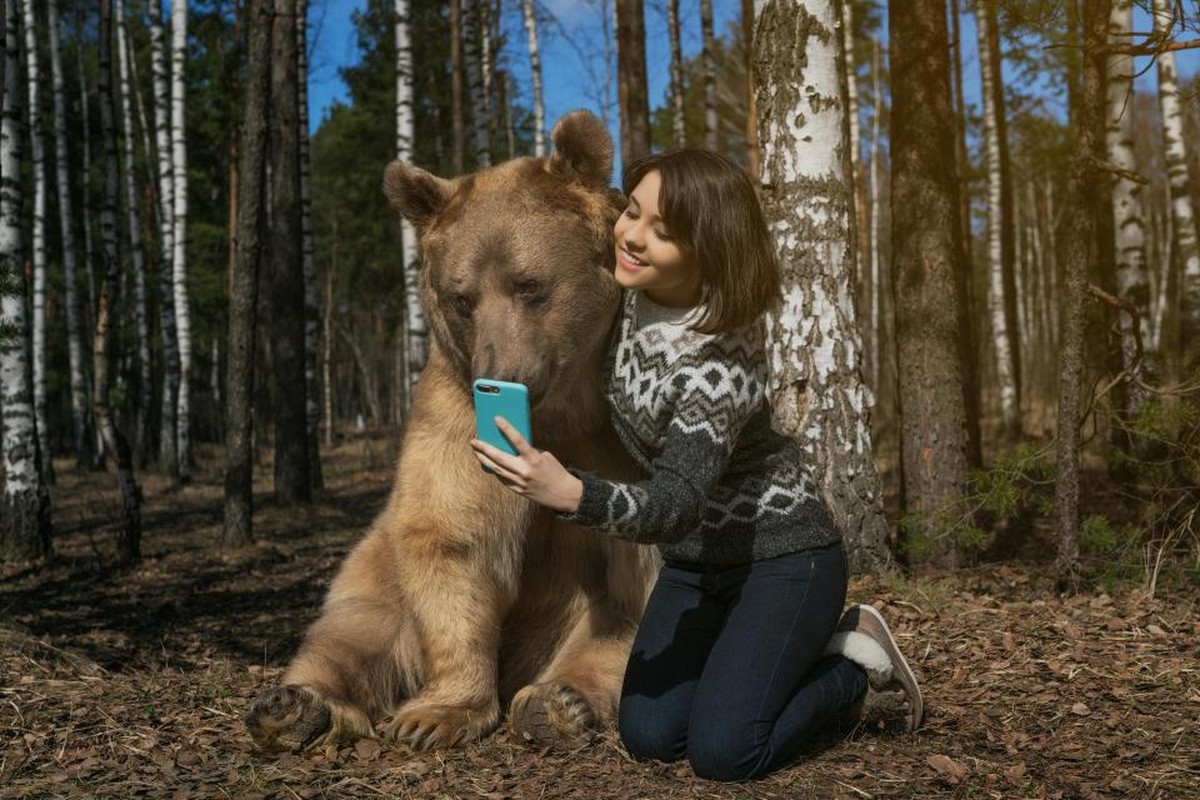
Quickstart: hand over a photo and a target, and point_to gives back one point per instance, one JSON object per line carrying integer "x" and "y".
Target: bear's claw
{"x": 553, "y": 714}
{"x": 425, "y": 727}
{"x": 287, "y": 718}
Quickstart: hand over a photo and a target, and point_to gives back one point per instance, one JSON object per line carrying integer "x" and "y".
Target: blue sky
{"x": 572, "y": 53}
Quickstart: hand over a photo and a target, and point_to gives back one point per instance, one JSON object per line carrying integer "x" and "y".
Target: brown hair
{"x": 709, "y": 206}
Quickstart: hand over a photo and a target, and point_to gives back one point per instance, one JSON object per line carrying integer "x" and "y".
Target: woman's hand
{"x": 531, "y": 473}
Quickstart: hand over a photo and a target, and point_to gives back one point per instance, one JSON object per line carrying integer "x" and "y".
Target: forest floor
{"x": 132, "y": 683}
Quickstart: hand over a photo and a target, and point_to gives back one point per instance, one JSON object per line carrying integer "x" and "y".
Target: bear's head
{"x": 517, "y": 264}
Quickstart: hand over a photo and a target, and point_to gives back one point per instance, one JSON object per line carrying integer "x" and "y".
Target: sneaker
{"x": 863, "y": 637}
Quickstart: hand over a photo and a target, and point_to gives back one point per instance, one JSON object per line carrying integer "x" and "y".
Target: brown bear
{"x": 462, "y": 595}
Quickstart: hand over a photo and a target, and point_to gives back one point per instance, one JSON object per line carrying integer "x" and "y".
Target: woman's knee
{"x": 648, "y": 736}
{"x": 730, "y": 753}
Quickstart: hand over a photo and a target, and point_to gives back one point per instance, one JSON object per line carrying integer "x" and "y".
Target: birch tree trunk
{"x": 130, "y": 536}
{"x": 416, "y": 333}
{"x": 25, "y": 514}
{"x": 1085, "y": 202}
{"x": 535, "y": 70}
{"x": 708, "y": 58}
{"x": 80, "y": 415}
{"x": 1129, "y": 225}
{"x": 851, "y": 90}
{"x": 925, "y": 252}
{"x": 1183, "y": 217}
{"x": 678, "y": 127}
{"x": 478, "y": 98}
{"x": 89, "y": 279}
{"x": 1002, "y": 336}
{"x": 133, "y": 209}
{"x": 37, "y": 150}
{"x": 287, "y": 269}
{"x": 243, "y": 290}
{"x": 179, "y": 12}
{"x": 312, "y": 299}
{"x": 168, "y": 438}
{"x": 632, "y": 93}
{"x": 814, "y": 353}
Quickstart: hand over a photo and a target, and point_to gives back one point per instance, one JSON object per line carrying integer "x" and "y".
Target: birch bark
{"x": 416, "y": 334}
{"x": 535, "y": 70}
{"x": 1002, "y": 336}
{"x": 130, "y": 535}
{"x": 79, "y": 404}
{"x": 472, "y": 33}
{"x": 136, "y": 248}
{"x": 1183, "y": 216}
{"x": 179, "y": 12}
{"x": 88, "y": 278}
{"x": 25, "y": 517}
{"x": 814, "y": 354}
{"x": 168, "y": 442}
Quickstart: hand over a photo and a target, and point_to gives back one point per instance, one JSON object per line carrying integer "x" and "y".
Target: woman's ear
{"x": 583, "y": 150}
{"x": 418, "y": 195}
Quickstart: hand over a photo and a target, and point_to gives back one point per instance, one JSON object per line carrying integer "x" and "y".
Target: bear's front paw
{"x": 423, "y": 726}
{"x": 287, "y": 718}
{"x": 553, "y": 714}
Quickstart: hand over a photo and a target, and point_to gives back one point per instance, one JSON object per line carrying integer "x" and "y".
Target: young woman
{"x": 740, "y": 656}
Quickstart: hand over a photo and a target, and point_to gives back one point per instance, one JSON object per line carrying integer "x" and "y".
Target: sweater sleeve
{"x": 715, "y": 395}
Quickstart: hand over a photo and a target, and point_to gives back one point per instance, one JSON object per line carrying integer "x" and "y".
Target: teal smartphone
{"x": 501, "y": 399}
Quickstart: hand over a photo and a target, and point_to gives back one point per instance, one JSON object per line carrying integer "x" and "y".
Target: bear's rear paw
{"x": 553, "y": 714}
{"x": 287, "y": 718}
{"x": 425, "y": 725}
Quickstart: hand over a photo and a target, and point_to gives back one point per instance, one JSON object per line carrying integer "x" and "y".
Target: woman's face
{"x": 647, "y": 257}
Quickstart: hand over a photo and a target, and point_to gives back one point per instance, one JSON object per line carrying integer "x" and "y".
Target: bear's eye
{"x": 528, "y": 289}
{"x": 463, "y": 304}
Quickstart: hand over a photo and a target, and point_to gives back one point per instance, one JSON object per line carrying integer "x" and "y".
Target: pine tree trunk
{"x": 458, "y": 124}
{"x": 925, "y": 252}
{"x": 80, "y": 414}
{"x": 708, "y": 58}
{"x": 168, "y": 437}
{"x": 1085, "y": 204}
{"x": 37, "y": 150}
{"x": 327, "y": 352}
{"x": 25, "y": 513}
{"x": 966, "y": 309}
{"x": 179, "y": 12}
{"x": 678, "y": 128}
{"x": 875, "y": 319}
{"x": 1002, "y": 336}
{"x": 133, "y": 209}
{"x": 1183, "y": 216}
{"x": 243, "y": 295}
{"x": 129, "y": 547}
{"x": 287, "y": 267}
{"x": 535, "y": 69}
{"x": 472, "y": 31}
{"x": 312, "y": 298}
{"x": 416, "y": 333}
{"x": 632, "y": 93}
{"x": 753, "y": 158}
{"x": 813, "y": 348}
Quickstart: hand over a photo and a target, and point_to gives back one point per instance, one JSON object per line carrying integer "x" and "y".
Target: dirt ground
{"x": 132, "y": 683}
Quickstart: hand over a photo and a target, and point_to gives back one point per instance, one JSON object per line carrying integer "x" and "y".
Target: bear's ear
{"x": 583, "y": 150}
{"x": 418, "y": 195}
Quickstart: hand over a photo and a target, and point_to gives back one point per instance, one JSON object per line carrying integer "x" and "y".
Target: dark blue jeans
{"x": 727, "y": 668}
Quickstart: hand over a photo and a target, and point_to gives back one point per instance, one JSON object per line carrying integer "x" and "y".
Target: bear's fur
{"x": 463, "y": 595}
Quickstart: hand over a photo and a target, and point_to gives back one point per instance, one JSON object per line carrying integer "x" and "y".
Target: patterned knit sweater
{"x": 724, "y": 488}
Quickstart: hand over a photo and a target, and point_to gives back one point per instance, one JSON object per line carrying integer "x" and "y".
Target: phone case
{"x": 501, "y": 399}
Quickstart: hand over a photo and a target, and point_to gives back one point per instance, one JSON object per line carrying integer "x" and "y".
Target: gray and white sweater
{"x": 691, "y": 408}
